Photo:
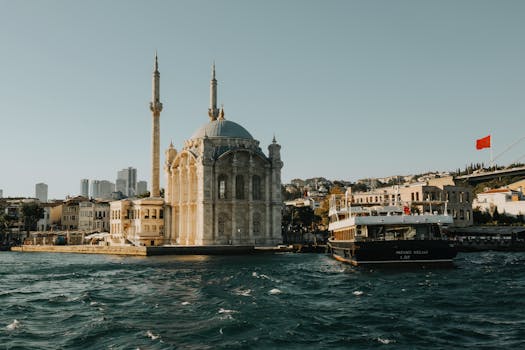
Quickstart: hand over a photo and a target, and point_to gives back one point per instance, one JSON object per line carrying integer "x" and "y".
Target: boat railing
{"x": 342, "y": 206}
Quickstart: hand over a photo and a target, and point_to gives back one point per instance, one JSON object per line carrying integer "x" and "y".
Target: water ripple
{"x": 297, "y": 301}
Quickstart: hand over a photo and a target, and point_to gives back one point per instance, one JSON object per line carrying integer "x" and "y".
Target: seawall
{"x": 83, "y": 249}
{"x": 141, "y": 250}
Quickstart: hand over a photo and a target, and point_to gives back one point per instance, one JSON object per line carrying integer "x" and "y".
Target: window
{"x": 222, "y": 186}
{"x": 256, "y": 224}
{"x": 256, "y": 187}
{"x": 161, "y": 214}
{"x": 221, "y": 225}
{"x": 239, "y": 187}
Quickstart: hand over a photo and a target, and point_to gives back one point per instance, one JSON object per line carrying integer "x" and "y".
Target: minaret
{"x": 155, "y": 107}
{"x": 213, "y": 112}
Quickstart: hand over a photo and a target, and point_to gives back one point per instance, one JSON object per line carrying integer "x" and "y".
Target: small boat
{"x": 387, "y": 234}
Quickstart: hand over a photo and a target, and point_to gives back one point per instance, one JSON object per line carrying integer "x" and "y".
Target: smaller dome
{"x": 222, "y": 128}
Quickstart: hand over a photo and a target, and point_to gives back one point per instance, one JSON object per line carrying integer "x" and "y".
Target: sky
{"x": 350, "y": 89}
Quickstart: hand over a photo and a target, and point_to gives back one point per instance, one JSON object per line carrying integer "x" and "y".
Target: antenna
{"x": 509, "y": 147}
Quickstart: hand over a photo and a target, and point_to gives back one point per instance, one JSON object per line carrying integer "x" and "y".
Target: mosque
{"x": 221, "y": 189}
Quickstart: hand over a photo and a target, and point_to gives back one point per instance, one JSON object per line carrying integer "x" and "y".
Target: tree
{"x": 31, "y": 213}
{"x": 147, "y": 194}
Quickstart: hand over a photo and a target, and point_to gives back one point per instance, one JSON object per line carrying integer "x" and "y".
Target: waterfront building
{"x": 41, "y": 192}
{"x": 46, "y": 222}
{"x": 142, "y": 188}
{"x": 70, "y": 212}
{"x": 505, "y": 200}
{"x": 138, "y": 221}
{"x": 221, "y": 188}
{"x": 13, "y": 211}
{"x": 430, "y": 196}
{"x": 84, "y": 188}
{"x": 94, "y": 216}
{"x": 55, "y": 215}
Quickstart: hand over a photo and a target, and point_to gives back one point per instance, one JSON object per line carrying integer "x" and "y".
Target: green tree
{"x": 31, "y": 213}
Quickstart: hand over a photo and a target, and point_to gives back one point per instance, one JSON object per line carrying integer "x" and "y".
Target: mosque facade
{"x": 221, "y": 188}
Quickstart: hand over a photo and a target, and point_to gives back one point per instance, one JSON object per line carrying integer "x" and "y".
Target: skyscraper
{"x": 95, "y": 188}
{"x": 128, "y": 181}
{"x": 84, "y": 187}
{"x": 142, "y": 187}
{"x": 105, "y": 188}
{"x": 41, "y": 192}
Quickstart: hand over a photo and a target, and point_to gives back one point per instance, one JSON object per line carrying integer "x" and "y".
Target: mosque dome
{"x": 222, "y": 128}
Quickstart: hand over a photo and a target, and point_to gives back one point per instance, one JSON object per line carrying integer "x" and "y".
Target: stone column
{"x": 235, "y": 233}
{"x": 249, "y": 197}
{"x": 267, "y": 201}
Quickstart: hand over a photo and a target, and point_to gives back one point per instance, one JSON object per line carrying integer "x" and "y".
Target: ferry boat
{"x": 388, "y": 234}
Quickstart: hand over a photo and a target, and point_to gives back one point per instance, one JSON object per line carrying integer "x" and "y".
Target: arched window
{"x": 256, "y": 188}
{"x": 222, "y": 186}
{"x": 239, "y": 187}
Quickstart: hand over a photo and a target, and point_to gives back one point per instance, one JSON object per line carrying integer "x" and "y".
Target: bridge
{"x": 476, "y": 178}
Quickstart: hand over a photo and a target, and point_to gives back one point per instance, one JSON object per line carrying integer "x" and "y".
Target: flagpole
{"x": 491, "y": 156}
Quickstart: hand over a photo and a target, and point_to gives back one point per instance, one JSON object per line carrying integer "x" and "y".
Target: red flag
{"x": 483, "y": 142}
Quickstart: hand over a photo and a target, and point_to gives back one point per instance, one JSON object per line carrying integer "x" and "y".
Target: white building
{"x": 303, "y": 202}
{"x": 221, "y": 187}
{"x": 507, "y": 201}
{"x": 41, "y": 192}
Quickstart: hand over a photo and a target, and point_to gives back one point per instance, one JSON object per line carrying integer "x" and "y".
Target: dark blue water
{"x": 289, "y": 301}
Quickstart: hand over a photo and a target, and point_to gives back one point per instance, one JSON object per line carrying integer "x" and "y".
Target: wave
{"x": 13, "y": 325}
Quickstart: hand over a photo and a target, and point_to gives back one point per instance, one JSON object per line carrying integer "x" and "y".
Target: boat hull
{"x": 427, "y": 252}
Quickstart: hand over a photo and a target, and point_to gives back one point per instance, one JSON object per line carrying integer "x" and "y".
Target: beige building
{"x": 138, "y": 222}
{"x": 93, "y": 216}
{"x": 431, "y": 196}
{"x": 70, "y": 212}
